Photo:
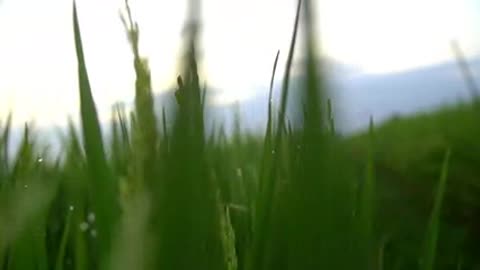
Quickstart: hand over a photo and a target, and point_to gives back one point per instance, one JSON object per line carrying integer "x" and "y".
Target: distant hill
{"x": 358, "y": 96}
{"x": 384, "y": 96}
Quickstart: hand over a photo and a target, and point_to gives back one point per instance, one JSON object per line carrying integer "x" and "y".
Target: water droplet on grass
{"x": 91, "y": 217}
{"x": 239, "y": 172}
{"x": 83, "y": 226}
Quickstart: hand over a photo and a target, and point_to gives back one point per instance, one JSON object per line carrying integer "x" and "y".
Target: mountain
{"x": 358, "y": 96}
{"x": 355, "y": 96}
{"x": 385, "y": 96}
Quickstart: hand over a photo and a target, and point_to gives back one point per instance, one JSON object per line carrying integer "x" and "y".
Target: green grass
{"x": 101, "y": 180}
{"x": 162, "y": 193}
{"x": 409, "y": 156}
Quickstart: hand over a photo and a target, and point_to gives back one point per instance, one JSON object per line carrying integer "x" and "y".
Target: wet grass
{"x": 173, "y": 196}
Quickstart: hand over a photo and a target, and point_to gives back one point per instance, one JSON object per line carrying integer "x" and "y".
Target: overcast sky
{"x": 239, "y": 41}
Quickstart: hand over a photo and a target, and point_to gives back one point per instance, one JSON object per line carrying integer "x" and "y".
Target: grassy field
{"x": 158, "y": 195}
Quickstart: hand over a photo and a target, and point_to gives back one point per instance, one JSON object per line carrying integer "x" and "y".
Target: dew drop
{"x": 239, "y": 172}
{"x": 83, "y": 226}
{"x": 91, "y": 217}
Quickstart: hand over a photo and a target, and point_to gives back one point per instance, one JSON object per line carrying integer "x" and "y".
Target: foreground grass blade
{"x": 102, "y": 185}
{"x": 434, "y": 223}
{"x": 76, "y": 174}
{"x": 268, "y": 135}
{"x": 267, "y": 142}
{"x": 63, "y": 242}
{"x": 264, "y": 200}
{"x": 286, "y": 79}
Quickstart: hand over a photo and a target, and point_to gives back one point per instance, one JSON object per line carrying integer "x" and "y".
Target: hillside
{"x": 408, "y": 157}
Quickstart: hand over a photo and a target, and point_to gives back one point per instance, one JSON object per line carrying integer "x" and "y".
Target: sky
{"x": 38, "y": 73}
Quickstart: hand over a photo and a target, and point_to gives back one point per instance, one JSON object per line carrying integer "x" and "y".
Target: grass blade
{"x": 63, "y": 242}
{"x": 264, "y": 200}
{"x": 434, "y": 223}
{"x": 268, "y": 135}
{"x": 103, "y": 187}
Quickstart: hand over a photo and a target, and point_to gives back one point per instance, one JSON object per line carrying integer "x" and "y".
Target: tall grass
{"x": 101, "y": 182}
{"x": 163, "y": 193}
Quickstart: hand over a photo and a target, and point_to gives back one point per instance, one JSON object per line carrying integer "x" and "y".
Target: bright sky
{"x": 240, "y": 38}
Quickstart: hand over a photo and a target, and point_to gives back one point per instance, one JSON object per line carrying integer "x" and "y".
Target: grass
{"x": 101, "y": 180}
{"x": 162, "y": 193}
{"x": 409, "y": 153}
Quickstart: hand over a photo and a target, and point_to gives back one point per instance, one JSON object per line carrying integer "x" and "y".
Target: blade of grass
{"x": 102, "y": 184}
{"x": 268, "y": 135}
{"x": 63, "y": 242}
{"x": 76, "y": 191}
{"x": 434, "y": 223}
{"x": 264, "y": 199}
{"x": 267, "y": 144}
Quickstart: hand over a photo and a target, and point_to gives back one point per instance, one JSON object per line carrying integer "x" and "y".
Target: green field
{"x": 153, "y": 195}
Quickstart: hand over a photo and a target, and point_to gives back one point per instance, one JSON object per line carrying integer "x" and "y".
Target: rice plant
{"x": 162, "y": 192}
